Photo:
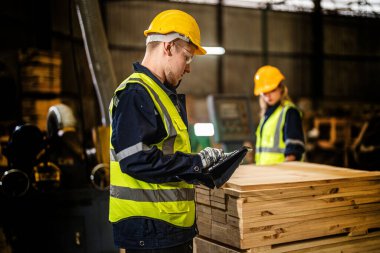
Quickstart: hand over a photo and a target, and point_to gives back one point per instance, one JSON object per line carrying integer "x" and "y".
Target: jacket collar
{"x": 142, "y": 69}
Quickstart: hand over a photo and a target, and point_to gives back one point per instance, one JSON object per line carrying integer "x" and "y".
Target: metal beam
{"x": 97, "y": 52}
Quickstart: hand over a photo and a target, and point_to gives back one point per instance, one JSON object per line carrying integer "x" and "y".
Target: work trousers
{"x": 183, "y": 248}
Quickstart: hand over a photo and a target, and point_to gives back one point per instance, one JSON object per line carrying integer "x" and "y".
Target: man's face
{"x": 179, "y": 64}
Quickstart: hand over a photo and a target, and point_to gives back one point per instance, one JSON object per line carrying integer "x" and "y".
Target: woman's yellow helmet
{"x": 266, "y": 79}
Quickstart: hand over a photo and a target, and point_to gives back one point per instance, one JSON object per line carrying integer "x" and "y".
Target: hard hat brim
{"x": 199, "y": 50}
{"x": 264, "y": 89}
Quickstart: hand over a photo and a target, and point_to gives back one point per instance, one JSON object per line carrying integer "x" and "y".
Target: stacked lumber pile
{"x": 291, "y": 207}
{"x": 41, "y": 84}
{"x": 40, "y": 71}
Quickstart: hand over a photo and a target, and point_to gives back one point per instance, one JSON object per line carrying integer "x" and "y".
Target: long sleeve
{"x": 293, "y": 134}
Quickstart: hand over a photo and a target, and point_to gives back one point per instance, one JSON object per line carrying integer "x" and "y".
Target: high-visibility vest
{"x": 129, "y": 197}
{"x": 270, "y": 145}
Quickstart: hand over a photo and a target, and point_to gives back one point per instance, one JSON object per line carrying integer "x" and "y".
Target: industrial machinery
{"x": 232, "y": 119}
{"x": 346, "y": 142}
{"x": 65, "y": 148}
{"x": 25, "y": 146}
{"x": 45, "y": 162}
{"x": 366, "y": 147}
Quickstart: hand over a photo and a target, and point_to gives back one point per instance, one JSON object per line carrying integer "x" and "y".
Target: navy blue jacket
{"x": 292, "y": 130}
{"x": 135, "y": 120}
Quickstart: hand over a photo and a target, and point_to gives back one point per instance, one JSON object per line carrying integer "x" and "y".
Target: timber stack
{"x": 41, "y": 84}
{"x": 291, "y": 207}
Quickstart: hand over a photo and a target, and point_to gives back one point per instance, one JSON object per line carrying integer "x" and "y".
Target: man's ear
{"x": 167, "y": 48}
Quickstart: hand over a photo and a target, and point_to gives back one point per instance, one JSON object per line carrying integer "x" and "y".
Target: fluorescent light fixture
{"x": 343, "y": 7}
{"x": 214, "y": 50}
{"x": 204, "y": 129}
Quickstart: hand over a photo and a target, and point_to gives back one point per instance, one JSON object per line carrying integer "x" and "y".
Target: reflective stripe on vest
{"x": 270, "y": 146}
{"x": 130, "y": 197}
{"x": 143, "y": 195}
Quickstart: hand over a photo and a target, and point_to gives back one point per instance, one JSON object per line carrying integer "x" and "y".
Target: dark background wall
{"x": 348, "y": 46}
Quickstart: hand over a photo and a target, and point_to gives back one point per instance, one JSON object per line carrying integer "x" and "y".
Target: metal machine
{"x": 232, "y": 119}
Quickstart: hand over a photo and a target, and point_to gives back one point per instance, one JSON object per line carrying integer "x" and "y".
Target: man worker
{"x": 153, "y": 172}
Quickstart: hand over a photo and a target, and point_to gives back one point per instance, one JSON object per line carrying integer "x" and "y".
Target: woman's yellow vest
{"x": 270, "y": 145}
{"x": 129, "y": 197}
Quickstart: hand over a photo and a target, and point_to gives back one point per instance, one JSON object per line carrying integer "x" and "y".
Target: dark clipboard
{"x": 223, "y": 169}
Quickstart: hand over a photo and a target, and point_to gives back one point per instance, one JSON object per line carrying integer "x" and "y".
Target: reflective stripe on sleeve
{"x": 294, "y": 141}
{"x": 131, "y": 151}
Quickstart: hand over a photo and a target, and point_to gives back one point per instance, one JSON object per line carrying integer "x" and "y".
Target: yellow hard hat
{"x": 266, "y": 79}
{"x": 176, "y": 21}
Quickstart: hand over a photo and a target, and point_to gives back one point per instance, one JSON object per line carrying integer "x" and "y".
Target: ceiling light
{"x": 204, "y": 129}
{"x": 215, "y": 50}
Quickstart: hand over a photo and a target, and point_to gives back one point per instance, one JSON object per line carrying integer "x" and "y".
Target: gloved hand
{"x": 210, "y": 156}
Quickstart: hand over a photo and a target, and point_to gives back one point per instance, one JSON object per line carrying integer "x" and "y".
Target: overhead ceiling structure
{"x": 367, "y": 8}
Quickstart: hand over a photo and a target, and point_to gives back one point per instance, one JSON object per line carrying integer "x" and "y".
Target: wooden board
{"x": 290, "y": 174}
{"x": 332, "y": 244}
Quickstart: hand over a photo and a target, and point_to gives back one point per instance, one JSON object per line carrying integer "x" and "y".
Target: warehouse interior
{"x": 54, "y": 172}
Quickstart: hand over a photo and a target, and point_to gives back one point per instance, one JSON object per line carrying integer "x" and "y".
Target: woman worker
{"x": 279, "y": 136}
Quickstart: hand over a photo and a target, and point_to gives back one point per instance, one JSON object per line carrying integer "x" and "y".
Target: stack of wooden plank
{"x": 40, "y": 71}
{"x": 41, "y": 84}
{"x": 291, "y": 207}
